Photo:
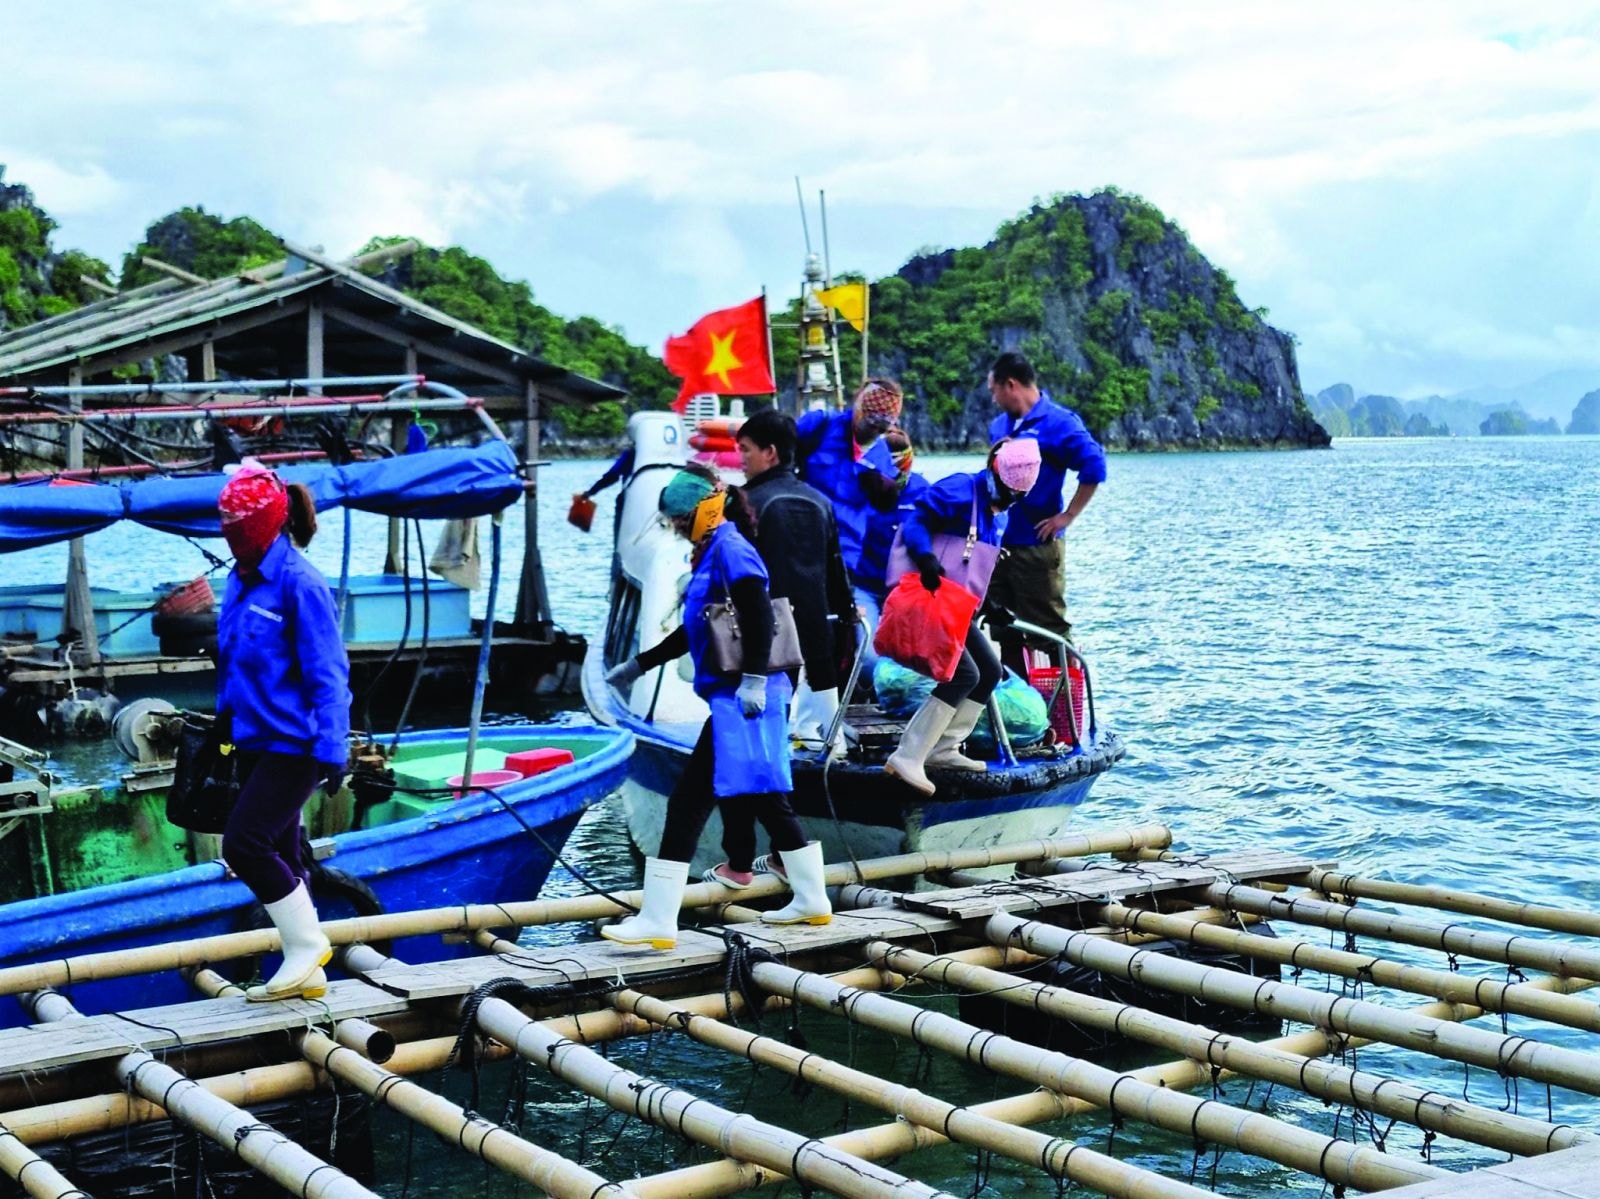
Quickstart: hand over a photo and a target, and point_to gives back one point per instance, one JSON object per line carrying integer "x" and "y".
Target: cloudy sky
{"x": 1412, "y": 187}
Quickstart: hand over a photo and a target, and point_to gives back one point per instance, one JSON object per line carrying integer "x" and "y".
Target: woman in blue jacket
{"x": 283, "y": 686}
{"x": 740, "y": 763}
{"x": 934, "y": 734}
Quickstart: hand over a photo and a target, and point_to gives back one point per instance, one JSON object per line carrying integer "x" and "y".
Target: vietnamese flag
{"x": 724, "y": 353}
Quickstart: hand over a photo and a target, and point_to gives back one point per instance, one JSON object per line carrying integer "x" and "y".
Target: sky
{"x": 1411, "y": 188}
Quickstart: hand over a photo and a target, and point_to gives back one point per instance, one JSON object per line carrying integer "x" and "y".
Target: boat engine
{"x": 86, "y": 713}
{"x": 147, "y": 730}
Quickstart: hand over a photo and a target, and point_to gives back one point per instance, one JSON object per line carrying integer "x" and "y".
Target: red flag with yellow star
{"x": 724, "y": 353}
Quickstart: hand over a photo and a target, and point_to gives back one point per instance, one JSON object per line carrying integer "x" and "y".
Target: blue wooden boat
{"x": 850, "y": 804}
{"x": 418, "y": 849}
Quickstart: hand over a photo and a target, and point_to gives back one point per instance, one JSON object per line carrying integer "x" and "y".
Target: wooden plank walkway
{"x": 1569, "y": 1174}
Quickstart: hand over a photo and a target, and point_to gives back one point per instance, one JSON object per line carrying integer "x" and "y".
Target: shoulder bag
{"x": 966, "y": 560}
{"x": 725, "y": 642}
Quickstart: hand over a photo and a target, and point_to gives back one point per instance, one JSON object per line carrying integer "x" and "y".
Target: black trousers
{"x": 692, "y": 800}
{"x": 977, "y": 674}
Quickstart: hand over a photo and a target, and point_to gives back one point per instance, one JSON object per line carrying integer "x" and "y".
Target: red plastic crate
{"x": 1043, "y": 680}
{"x": 531, "y": 762}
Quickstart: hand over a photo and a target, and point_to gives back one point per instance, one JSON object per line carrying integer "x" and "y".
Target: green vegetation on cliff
{"x": 35, "y": 281}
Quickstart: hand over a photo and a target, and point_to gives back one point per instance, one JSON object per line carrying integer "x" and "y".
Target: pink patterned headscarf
{"x": 254, "y": 507}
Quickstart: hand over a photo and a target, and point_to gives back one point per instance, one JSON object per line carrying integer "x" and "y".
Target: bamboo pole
{"x": 1553, "y": 957}
{"x": 41, "y": 1123}
{"x": 469, "y": 918}
{"x": 260, "y": 1145}
{"x": 714, "y": 1179}
{"x": 804, "y": 1158}
{"x": 1466, "y": 903}
{"x": 32, "y": 1173}
{"x": 550, "y": 1172}
{"x": 1057, "y": 1156}
{"x": 1478, "y": 1047}
{"x": 1333, "y": 1083}
{"x": 1491, "y": 994}
{"x": 1339, "y": 1161}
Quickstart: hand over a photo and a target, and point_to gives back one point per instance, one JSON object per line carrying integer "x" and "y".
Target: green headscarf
{"x": 683, "y": 494}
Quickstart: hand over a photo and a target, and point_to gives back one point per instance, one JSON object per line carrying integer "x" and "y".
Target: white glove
{"x": 752, "y": 695}
{"x": 626, "y": 675}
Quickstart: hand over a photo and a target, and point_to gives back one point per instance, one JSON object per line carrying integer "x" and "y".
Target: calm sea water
{"x": 1384, "y": 653}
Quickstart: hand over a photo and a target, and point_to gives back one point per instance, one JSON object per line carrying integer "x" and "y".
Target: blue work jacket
{"x": 879, "y": 539}
{"x": 281, "y": 667}
{"x": 946, "y": 507}
{"x": 728, "y": 558}
{"x": 827, "y": 460}
{"x": 1065, "y": 443}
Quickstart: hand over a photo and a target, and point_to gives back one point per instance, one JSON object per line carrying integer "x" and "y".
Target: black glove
{"x": 997, "y": 616}
{"x": 930, "y": 570}
{"x": 332, "y": 778}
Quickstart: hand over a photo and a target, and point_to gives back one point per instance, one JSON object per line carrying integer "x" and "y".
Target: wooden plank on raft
{"x": 1567, "y": 1174}
{"x": 200, "y": 1022}
{"x": 1099, "y": 884}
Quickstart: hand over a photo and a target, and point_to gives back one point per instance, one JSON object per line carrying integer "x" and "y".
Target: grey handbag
{"x": 966, "y": 560}
{"x": 726, "y": 645}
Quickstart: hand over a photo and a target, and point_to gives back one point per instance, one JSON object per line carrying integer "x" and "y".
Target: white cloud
{"x": 62, "y": 189}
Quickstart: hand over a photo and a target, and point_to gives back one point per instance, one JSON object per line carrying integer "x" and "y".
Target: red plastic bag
{"x": 924, "y": 630}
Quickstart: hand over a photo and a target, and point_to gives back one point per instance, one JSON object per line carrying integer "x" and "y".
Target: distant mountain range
{"x": 1562, "y": 401}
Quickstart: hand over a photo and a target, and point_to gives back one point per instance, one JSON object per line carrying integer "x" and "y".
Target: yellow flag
{"x": 849, "y": 300}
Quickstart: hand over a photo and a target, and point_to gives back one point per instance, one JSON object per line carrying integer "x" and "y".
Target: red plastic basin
{"x": 482, "y": 779}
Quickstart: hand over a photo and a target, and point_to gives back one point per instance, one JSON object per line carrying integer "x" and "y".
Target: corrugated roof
{"x": 166, "y": 309}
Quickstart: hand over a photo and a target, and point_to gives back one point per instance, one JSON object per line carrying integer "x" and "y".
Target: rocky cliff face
{"x": 1125, "y": 320}
{"x": 36, "y": 281}
{"x": 1586, "y": 415}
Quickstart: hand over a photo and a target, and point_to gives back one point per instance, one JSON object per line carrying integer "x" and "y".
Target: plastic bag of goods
{"x": 1023, "y": 709}
{"x": 900, "y": 690}
{"x": 925, "y": 630}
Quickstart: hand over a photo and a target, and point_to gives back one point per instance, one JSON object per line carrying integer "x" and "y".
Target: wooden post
{"x": 78, "y": 612}
{"x": 1511, "y": 1055}
{"x": 314, "y": 328}
{"x": 533, "y": 600}
{"x": 236, "y": 1130}
{"x": 208, "y": 361}
{"x": 1327, "y": 1081}
{"x": 397, "y": 440}
{"x": 1341, "y": 1162}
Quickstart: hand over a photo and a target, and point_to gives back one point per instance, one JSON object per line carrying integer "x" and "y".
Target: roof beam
{"x": 194, "y": 336}
{"x": 431, "y": 349}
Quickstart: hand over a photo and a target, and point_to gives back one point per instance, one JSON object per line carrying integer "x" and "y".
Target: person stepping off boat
{"x": 283, "y": 688}
{"x": 740, "y": 763}
{"x": 959, "y": 505}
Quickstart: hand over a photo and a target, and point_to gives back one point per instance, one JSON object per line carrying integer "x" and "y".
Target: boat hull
{"x": 469, "y": 851}
{"x": 855, "y": 808}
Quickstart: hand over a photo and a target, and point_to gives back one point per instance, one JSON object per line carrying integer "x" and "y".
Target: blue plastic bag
{"x": 750, "y": 756}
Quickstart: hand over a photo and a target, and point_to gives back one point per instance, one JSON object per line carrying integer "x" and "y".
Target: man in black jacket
{"x": 799, "y": 542}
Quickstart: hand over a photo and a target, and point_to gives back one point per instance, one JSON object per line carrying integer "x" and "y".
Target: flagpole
{"x": 772, "y": 364}
{"x": 833, "y": 324}
{"x": 866, "y": 324}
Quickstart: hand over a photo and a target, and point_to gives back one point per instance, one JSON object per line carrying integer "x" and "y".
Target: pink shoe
{"x": 734, "y": 880}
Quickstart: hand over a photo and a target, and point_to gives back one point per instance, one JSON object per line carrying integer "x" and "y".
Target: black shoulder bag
{"x": 206, "y": 777}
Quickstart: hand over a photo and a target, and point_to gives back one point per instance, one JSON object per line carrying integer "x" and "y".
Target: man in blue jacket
{"x": 1031, "y": 578}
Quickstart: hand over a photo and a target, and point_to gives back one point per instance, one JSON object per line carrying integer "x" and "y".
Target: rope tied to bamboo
{"x": 738, "y": 976}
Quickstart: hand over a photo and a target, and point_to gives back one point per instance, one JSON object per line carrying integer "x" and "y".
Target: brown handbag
{"x": 726, "y": 643}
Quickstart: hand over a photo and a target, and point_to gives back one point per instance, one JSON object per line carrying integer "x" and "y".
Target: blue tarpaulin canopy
{"x": 439, "y": 485}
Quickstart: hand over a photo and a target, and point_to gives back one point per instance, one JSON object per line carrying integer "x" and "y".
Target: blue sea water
{"x": 1383, "y": 654}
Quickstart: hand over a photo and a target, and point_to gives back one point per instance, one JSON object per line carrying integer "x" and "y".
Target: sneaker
{"x": 770, "y": 863}
{"x": 724, "y": 874}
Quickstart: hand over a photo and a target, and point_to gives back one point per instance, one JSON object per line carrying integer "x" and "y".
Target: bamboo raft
{"x": 1064, "y": 902}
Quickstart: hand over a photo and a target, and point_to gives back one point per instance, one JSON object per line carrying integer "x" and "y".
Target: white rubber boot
{"x": 656, "y": 925}
{"x": 810, "y": 903}
{"x": 305, "y": 951}
{"x": 814, "y": 717}
{"x": 947, "y": 751}
{"x": 916, "y": 743}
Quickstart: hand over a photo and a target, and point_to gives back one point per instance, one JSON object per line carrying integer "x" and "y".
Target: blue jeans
{"x": 872, "y": 605}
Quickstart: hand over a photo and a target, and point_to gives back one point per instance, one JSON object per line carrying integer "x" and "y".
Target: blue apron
{"x": 751, "y": 756}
